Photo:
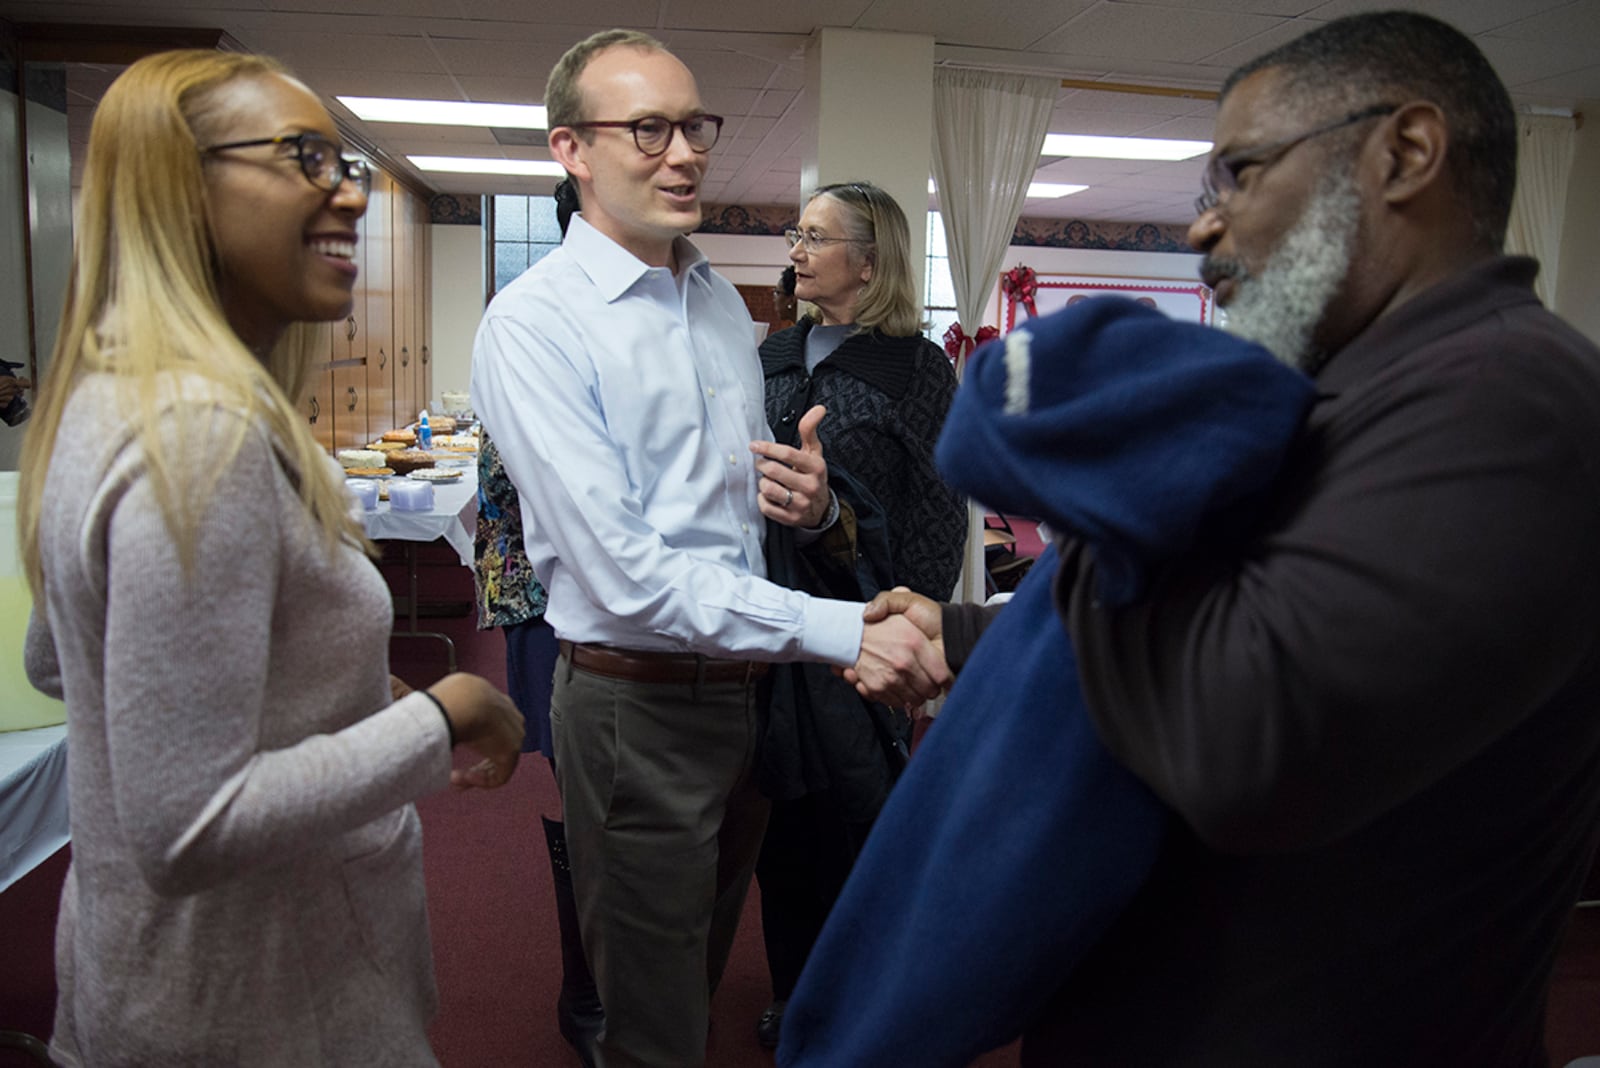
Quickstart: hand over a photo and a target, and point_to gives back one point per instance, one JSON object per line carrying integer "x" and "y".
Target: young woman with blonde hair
{"x": 246, "y": 883}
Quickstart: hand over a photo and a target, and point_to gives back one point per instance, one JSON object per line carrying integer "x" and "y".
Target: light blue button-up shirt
{"x": 623, "y": 400}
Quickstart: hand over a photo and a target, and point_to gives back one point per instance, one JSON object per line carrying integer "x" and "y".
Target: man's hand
{"x": 925, "y": 612}
{"x": 926, "y": 615}
{"x": 794, "y": 482}
{"x": 898, "y": 665}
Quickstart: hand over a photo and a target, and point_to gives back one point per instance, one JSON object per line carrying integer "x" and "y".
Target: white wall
{"x": 458, "y": 288}
{"x": 746, "y": 261}
{"x": 1166, "y": 266}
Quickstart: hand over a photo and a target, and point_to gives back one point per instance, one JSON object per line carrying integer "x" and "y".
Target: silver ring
{"x": 789, "y": 498}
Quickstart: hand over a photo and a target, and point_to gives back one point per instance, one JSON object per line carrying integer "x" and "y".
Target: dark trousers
{"x": 663, "y": 826}
{"x": 807, "y": 855}
{"x": 530, "y": 666}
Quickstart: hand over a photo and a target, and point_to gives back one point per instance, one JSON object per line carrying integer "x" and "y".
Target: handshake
{"x": 902, "y": 660}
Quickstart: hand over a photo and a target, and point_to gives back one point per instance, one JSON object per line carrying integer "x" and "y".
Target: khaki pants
{"x": 664, "y": 824}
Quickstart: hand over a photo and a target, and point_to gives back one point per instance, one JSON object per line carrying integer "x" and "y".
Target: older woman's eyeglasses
{"x": 319, "y": 160}
{"x": 1221, "y": 177}
{"x": 815, "y": 242}
{"x": 653, "y": 133}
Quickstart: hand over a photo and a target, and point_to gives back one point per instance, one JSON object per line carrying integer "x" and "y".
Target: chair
{"x": 1000, "y": 560}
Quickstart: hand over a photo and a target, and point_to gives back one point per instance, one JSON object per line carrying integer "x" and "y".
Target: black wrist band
{"x": 448, "y": 726}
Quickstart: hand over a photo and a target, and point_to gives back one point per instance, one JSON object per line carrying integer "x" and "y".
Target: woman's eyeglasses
{"x": 653, "y": 133}
{"x": 815, "y": 242}
{"x": 319, "y": 160}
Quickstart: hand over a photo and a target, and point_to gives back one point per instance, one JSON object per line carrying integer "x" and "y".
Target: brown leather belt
{"x": 637, "y": 665}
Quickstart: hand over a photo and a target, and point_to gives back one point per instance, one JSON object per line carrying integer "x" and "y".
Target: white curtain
{"x": 1544, "y": 162}
{"x": 988, "y": 129}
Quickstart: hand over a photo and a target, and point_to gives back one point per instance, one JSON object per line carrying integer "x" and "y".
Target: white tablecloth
{"x": 33, "y": 799}
{"x": 454, "y": 517}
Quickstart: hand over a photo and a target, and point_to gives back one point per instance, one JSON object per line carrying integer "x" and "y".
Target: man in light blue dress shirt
{"x": 620, "y": 380}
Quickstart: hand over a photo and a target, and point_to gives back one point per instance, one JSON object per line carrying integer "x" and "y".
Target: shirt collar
{"x": 1475, "y": 293}
{"x": 612, "y": 268}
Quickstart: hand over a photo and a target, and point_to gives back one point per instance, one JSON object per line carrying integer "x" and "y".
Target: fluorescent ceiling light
{"x": 445, "y": 112}
{"x": 467, "y": 165}
{"x": 1052, "y": 190}
{"x": 1038, "y": 190}
{"x": 1122, "y": 147}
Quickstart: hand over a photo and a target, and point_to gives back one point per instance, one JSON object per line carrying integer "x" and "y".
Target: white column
{"x": 870, "y": 97}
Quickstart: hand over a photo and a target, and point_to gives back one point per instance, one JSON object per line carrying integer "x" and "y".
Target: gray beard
{"x": 1280, "y": 307}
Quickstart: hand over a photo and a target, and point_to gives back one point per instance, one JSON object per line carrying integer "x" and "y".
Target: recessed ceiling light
{"x": 1038, "y": 190}
{"x": 445, "y": 112}
{"x": 1122, "y": 147}
{"x": 468, "y": 165}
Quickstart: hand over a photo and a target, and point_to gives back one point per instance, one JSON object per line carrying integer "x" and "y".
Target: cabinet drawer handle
{"x": 316, "y": 410}
{"x": 350, "y": 328}
{"x": 405, "y": 356}
{"x": 351, "y": 390}
{"x": 424, "y": 354}
{"x": 383, "y": 359}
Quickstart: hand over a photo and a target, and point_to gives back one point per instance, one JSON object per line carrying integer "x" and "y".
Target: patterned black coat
{"x": 886, "y": 399}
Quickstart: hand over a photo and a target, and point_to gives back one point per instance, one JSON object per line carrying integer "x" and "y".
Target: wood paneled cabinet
{"x": 378, "y": 371}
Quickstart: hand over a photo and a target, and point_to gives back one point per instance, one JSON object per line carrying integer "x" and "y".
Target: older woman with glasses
{"x": 858, "y": 351}
{"x": 246, "y": 884}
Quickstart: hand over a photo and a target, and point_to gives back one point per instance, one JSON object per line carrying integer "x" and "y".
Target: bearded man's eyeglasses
{"x": 1221, "y": 177}
{"x": 319, "y": 158}
{"x": 653, "y": 133}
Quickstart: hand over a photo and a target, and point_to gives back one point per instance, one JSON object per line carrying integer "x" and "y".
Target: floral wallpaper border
{"x": 455, "y": 209}
{"x": 770, "y": 220}
{"x": 762, "y": 220}
{"x": 1101, "y": 236}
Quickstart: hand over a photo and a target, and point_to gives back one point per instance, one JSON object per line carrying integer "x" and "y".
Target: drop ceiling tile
{"x": 310, "y": 51}
{"x": 501, "y": 89}
{"x": 740, "y": 15}
{"x": 1169, "y": 34}
{"x": 1572, "y": 89}
{"x": 480, "y": 58}
{"x": 773, "y": 104}
{"x": 1519, "y": 62}
{"x": 1015, "y": 26}
{"x": 726, "y": 101}
{"x": 1468, "y": 16}
{"x": 714, "y": 67}
{"x": 402, "y": 85}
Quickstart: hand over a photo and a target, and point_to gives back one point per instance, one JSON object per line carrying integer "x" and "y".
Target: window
{"x": 523, "y": 231}
{"x": 939, "y": 295}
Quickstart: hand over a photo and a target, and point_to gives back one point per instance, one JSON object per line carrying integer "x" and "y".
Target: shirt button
{"x": 732, "y": 459}
{"x": 745, "y": 527}
{"x": 712, "y": 392}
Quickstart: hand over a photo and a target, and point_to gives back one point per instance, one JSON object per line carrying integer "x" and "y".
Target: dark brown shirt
{"x": 1377, "y": 719}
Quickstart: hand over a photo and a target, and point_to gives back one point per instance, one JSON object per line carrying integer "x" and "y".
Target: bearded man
{"x": 1375, "y": 713}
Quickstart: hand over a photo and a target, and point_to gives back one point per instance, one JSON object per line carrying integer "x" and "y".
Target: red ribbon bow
{"x": 957, "y": 344}
{"x": 1021, "y": 284}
